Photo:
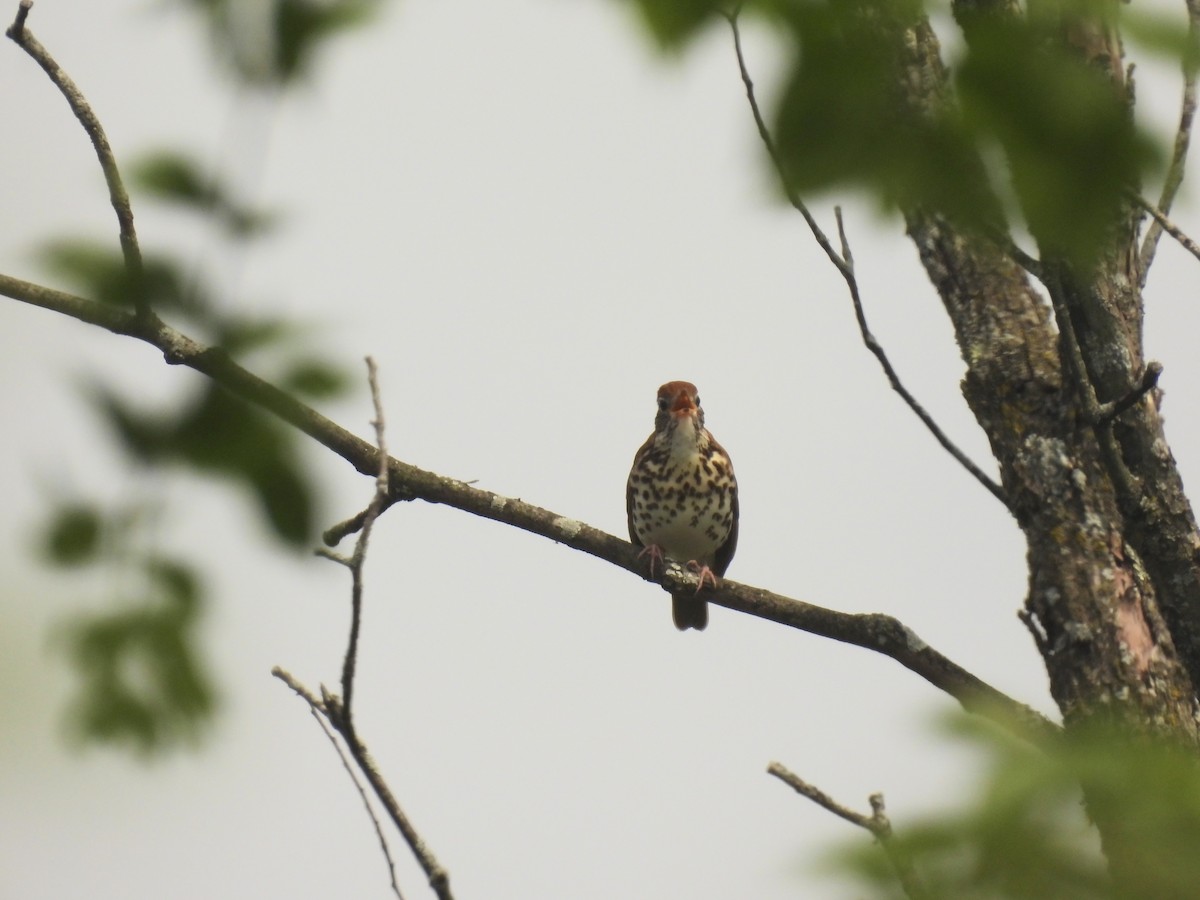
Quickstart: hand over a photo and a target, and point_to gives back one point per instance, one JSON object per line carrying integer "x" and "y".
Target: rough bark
{"x": 1103, "y": 556}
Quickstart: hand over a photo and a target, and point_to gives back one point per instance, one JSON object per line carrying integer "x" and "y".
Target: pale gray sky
{"x": 531, "y": 222}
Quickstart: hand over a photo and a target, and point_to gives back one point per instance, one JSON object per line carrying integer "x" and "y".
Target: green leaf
{"x": 315, "y": 378}
{"x": 101, "y": 273}
{"x": 1071, "y": 146}
{"x": 174, "y": 177}
{"x": 73, "y": 535}
{"x": 145, "y": 436}
{"x": 141, "y": 683}
{"x": 1026, "y": 831}
{"x": 223, "y": 434}
{"x": 179, "y": 179}
{"x": 1161, "y": 35}
{"x": 238, "y": 335}
{"x": 840, "y": 121}
{"x": 220, "y": 434}
{"x": 672, "y": 23}
{"x": 285, "y": 498}
{"x": 179, "y": 582}
{"x": 301, "y": 26}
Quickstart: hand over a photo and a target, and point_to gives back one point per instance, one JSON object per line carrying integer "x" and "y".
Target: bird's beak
{"x": 683, "y": 404}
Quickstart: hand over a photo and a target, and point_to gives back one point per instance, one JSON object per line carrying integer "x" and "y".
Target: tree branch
{"x": 877, "y": 823}
{"x": 844, "y": 263}
{"x": 880, "y": 633}
{"x": 108, "y": 163}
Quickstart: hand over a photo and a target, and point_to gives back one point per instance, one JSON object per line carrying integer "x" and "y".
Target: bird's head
{"x": 678, "y": 403}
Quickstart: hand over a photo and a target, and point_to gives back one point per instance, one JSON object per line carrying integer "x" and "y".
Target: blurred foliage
{"x": 141, "y": 682}
{"x": 210, "y": 431}
{"x": 1026, "y": 87}
{"x": 1026, "y": 833}
{"x": 215, "y": 432}
{"x": 284, "y": 35}
{"x": 177, "y": 178}
{"x": 73, "y": 536}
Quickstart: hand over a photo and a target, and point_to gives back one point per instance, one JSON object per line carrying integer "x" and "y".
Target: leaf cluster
{"x": 142, "y": 683}
{"x": 289, "y": 34}
{"x": 1027, "y": 834}
{"x": 1035, "y": 123}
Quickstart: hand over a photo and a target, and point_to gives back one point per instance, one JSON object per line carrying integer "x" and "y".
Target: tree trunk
{"x": 1110, "y": 535}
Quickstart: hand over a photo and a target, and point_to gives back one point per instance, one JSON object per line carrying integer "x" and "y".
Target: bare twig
{"x": 108, "y": 163}
{"x": 339, "y": 711}
{"x": 1165, "y": 224}
{"x": 872, "y": 344}
{"x": 764, "y": 134}
{"x": 877, "y": 823}
{"x": 383, "y": 844}
{"x": 1175, "y": 170}
{"x": 844, "y": 263}
{"x": 329, "y": 707}
{"x": 378, "y": 502}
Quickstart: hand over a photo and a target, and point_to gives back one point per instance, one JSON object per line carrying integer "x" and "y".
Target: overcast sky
{"x": 531, "y": 222}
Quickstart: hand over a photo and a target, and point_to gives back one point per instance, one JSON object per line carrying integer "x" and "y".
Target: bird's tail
{"x": 689, "y": 611}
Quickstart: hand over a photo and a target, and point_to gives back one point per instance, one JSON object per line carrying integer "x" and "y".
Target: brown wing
{"x": 630, "y": 489}
{"x": 724, "y": 555}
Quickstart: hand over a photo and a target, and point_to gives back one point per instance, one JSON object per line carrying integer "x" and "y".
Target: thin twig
{"x": 1165, "y": 224}
{"x": 108, "y": 163}
{"x": 330, "y": 708}
{"x": 1183, "y": 135}
{"x": 877, "y": 823}
{"x": 438, "y": 878}
{"x": 764, "y": 134}
{"x": 872, "y": 344}
{"x": 378, "y": 503}
{"x": 338, "y": 711}
{"x": 844, "y": 263}
{"x": 362, "y": 793}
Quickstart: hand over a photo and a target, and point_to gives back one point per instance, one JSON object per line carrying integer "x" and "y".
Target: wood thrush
{"x": 682, "y": 498}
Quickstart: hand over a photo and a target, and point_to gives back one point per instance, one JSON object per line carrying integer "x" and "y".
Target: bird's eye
{"x": 697, "y": 399}
{"x": 663, "y": 402}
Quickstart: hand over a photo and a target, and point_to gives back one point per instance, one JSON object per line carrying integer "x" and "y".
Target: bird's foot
{"x": 656, "y": 557}
{"x": 705, "y": 573}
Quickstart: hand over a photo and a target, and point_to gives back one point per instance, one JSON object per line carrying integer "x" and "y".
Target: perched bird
{"x": 682, "y": 498}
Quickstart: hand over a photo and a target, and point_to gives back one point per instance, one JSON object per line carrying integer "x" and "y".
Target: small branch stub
{"x": 16, "y": 31}
{"x": 877, "y": 823}
{"x": 1106, "y": 412}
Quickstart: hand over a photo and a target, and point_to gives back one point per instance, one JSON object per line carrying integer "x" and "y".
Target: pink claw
{"x": 705, "y": 573}
{"x": 656, "y": 556}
